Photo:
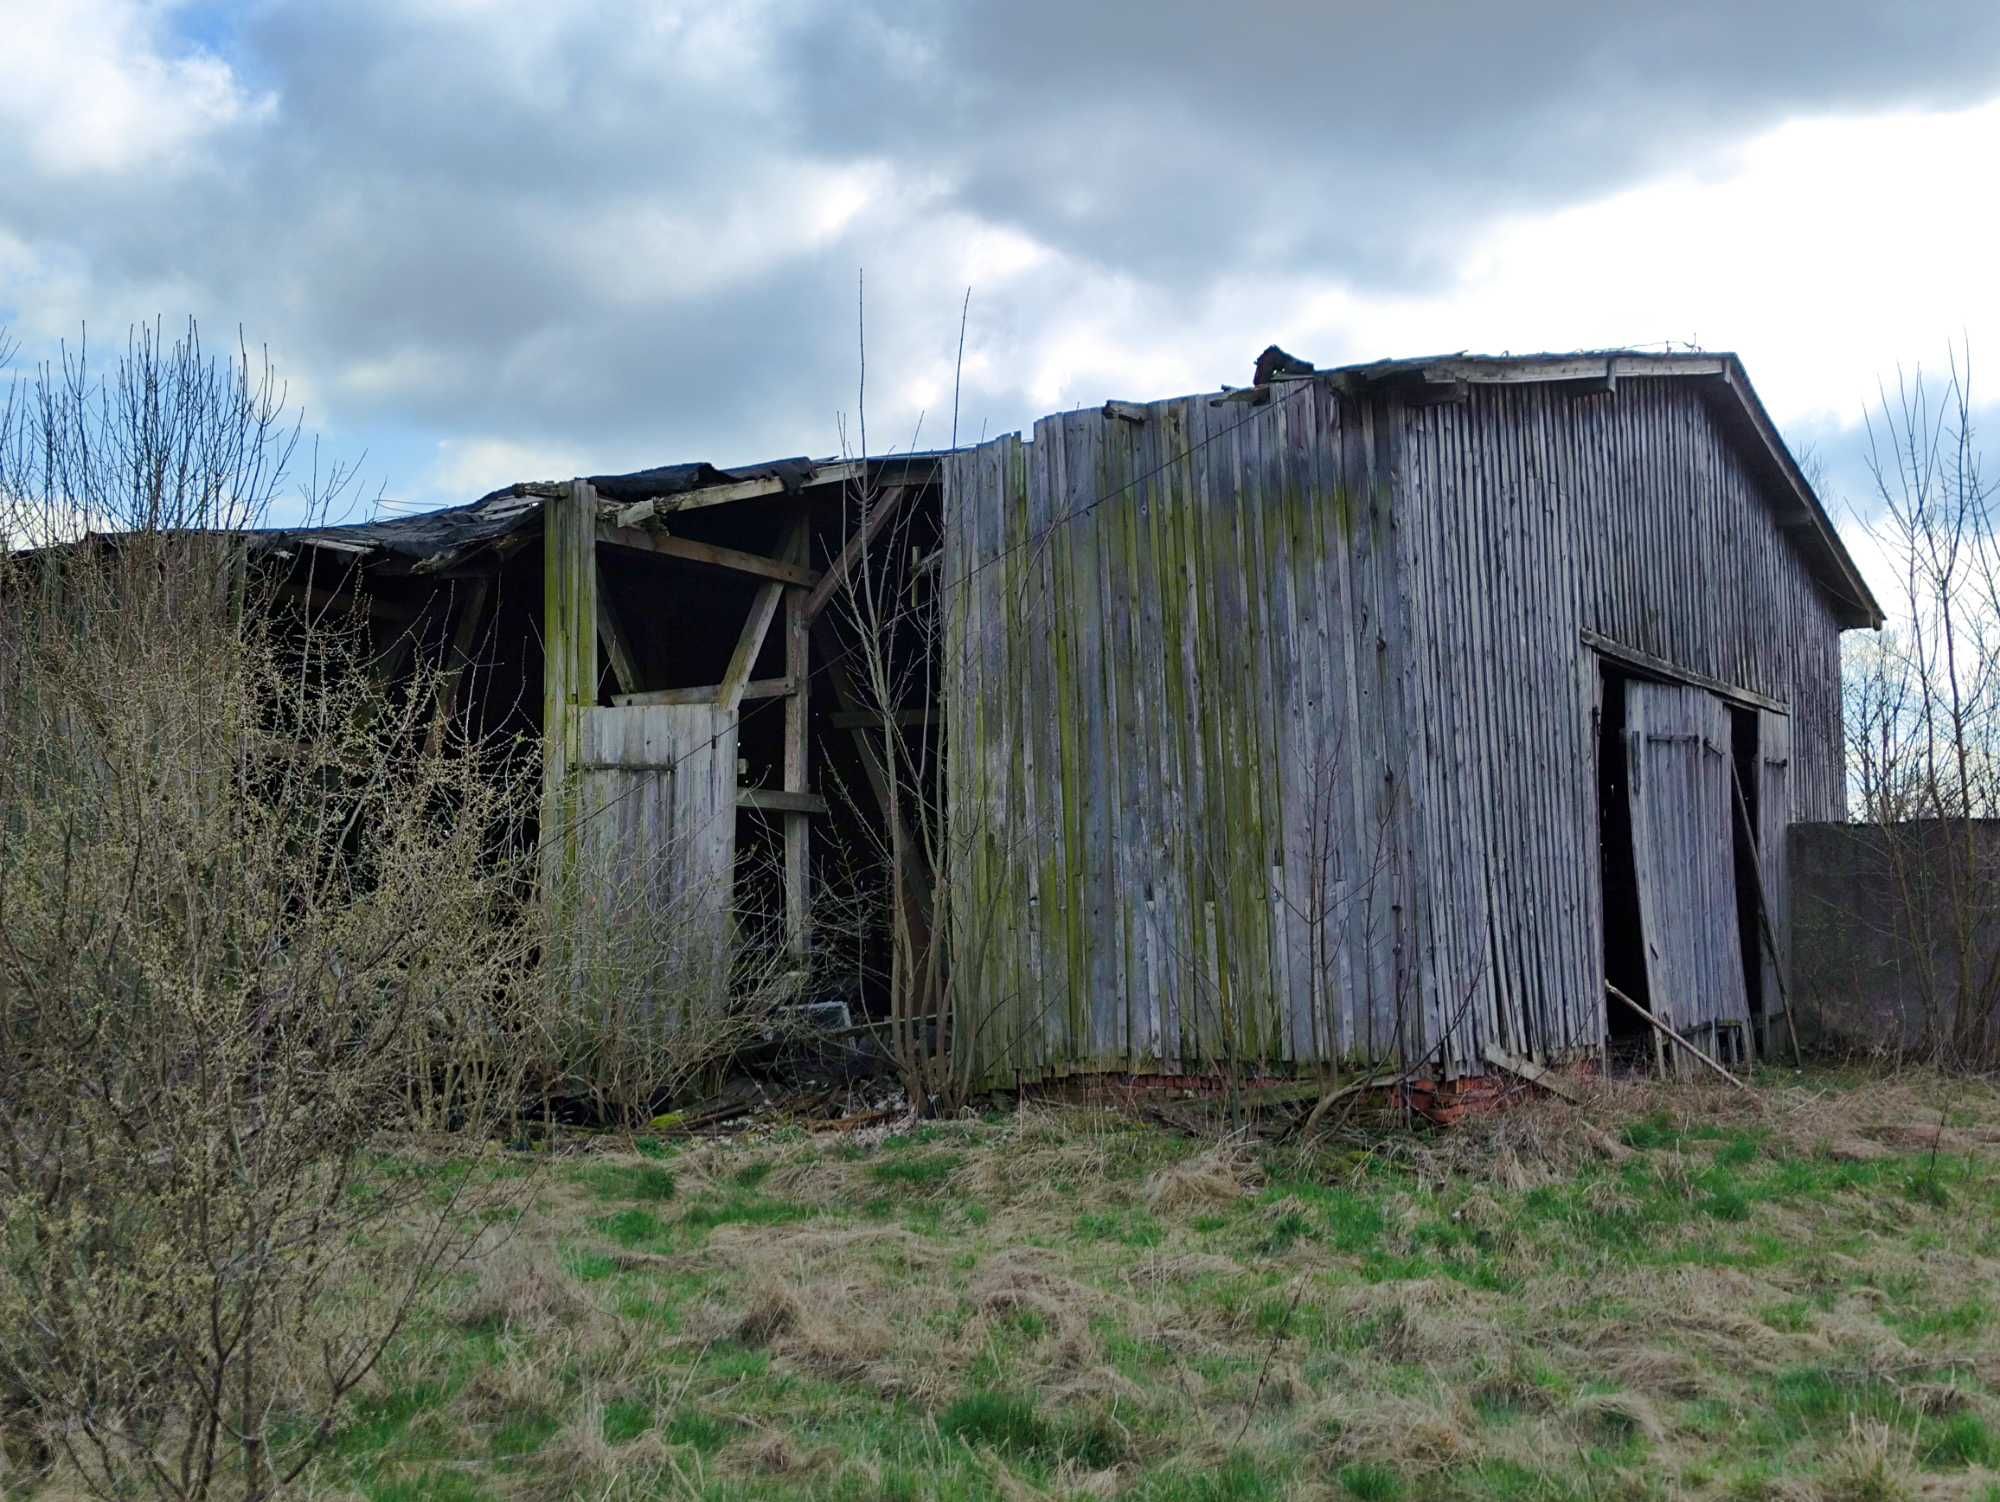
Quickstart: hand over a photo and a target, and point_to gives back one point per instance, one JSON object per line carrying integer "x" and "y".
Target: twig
{"x": 1277, "y": 1336}
{"x": 1369, "y": 1082}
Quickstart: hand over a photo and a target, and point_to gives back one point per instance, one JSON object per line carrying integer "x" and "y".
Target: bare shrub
{"x": 1922, "y": 712}
{"x": 253, "y": 916}
{"x": 661, "y": 992}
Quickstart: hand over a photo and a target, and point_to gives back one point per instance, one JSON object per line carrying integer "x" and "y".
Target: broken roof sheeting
{"x": 433, "y": 539}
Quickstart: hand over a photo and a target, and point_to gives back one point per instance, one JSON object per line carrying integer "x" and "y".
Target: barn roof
{"x": 432, "y": 540}
{"x": 436, "y": 539}
{"x": 1731, "y": 399}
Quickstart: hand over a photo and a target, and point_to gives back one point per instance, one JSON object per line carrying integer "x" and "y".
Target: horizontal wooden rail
{"x": 708, "y": 693}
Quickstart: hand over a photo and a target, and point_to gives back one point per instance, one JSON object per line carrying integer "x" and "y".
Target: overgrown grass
{"x": 1668, "y": 1293}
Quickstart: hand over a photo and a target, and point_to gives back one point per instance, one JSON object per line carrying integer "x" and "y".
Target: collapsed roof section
{"x": 434, "y": 541}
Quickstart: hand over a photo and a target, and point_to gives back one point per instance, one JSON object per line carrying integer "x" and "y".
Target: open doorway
{"x": 1628, "y": 1044}
{"x": 1744, "y": 748}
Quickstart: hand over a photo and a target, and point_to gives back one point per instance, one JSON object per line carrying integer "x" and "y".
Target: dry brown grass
{"x": 1466, "y": 1315}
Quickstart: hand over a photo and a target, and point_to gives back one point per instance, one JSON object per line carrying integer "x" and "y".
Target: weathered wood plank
{"x": 780, "y": 801}
{"x": 757, "y": 626}
{"x": 708, "y": 693}
{"x": 689, "y": 550}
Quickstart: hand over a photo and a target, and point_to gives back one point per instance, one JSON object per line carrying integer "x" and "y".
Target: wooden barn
{"x": 1379, "y": 715}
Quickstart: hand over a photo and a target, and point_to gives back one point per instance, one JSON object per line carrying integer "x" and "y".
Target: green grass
{"x": 1368, "y": 1482}
{"x": 917, "y": 1170}
{"x": 1726, "y": 1312}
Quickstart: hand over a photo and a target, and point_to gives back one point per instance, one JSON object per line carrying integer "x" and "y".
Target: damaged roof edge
{"x": 432, "y": 540}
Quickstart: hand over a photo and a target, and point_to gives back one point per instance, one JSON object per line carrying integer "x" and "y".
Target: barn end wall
{"x": 1537, "y": 515}
{"x": 1270, "y": 728}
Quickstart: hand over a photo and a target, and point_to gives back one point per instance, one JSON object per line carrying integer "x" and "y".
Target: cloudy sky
{"x": 488, "y": 240}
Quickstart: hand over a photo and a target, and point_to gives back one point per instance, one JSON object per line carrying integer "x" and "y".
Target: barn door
{"x": 656, "y": 851}
{"x": 1679, "y": 776}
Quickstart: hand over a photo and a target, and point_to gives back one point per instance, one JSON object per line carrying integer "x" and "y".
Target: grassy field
{"x": 1675, "y": 1292}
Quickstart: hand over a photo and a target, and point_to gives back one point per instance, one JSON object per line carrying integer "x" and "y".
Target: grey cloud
{"x": 1170, "y": 135}
{"x": 434, "y": 187}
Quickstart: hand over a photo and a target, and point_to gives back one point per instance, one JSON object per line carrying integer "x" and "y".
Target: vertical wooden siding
{"x": 1270, "y": 729}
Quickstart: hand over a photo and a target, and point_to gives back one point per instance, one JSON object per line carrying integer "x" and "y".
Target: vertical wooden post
{"x": 798, "y": 826}
{"x": 569, "y": 666}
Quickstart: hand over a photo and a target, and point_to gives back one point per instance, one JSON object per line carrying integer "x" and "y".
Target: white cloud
{"x": 467, "y": 468}
{"x": 94, "y": 87}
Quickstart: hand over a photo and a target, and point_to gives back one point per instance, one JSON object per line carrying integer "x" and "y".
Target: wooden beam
{"x": 1659, "y": 667}
{"x": 778, "y": 801}
{"x": 717, "y": 556}
{"x": 837, "y": 472}
{"x": 763, "y": 610}
{"x": 798, "y": 747}
{"x": 861, "y": 719}
{"x": 1504, "y": 372}
{"x": 708, "y": 693}
{"x": 616, "y": 648}
{"x": 855, "y": 547}
{"x": 569, "y": 668}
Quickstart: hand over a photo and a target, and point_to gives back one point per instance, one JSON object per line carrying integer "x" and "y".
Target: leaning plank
{"x": 856, "y": 546}
{"x": 1764, "y": 915}
{"x": 616, "y": 648}
{"x": 1530, "y": 1071}
{"x": 708, "y": 693}
{"x": 717, "y": 556}
{"x": 1674, "y": 1036}
{"x": 778, "y": 801}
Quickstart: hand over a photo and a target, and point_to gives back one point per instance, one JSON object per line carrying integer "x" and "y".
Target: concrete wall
{"x": 1878, "y": 916}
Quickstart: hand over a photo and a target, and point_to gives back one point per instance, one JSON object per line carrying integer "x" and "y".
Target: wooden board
{"x": 657, "y": 796}
{"x": 1683, "y": 799}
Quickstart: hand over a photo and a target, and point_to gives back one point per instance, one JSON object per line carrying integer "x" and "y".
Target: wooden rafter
{"x": 691, "y": 551}
{"x": 855, "y": 547}
{"x": 763, "y": 610}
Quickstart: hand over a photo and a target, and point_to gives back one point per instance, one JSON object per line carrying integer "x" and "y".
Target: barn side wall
{"x": 1536, "y": 515}
{"x": 1270, "y": 728}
